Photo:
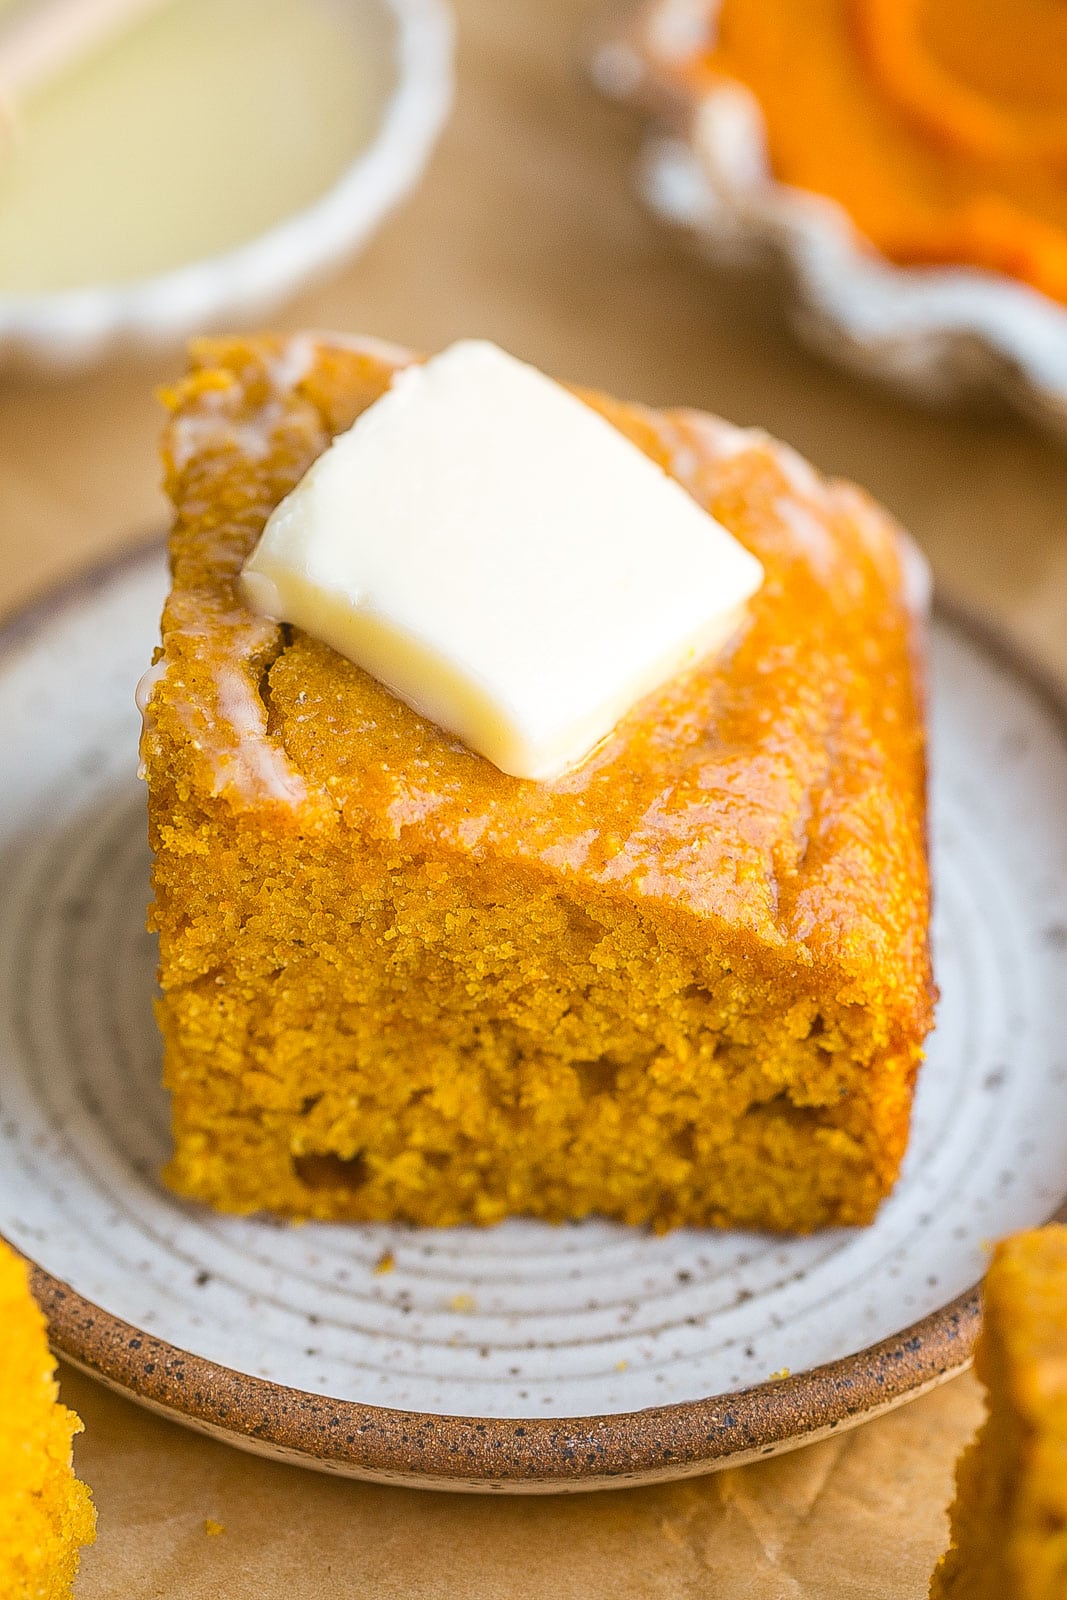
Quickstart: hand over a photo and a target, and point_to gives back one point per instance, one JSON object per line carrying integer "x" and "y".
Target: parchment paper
{"x": 860, "y": 1515}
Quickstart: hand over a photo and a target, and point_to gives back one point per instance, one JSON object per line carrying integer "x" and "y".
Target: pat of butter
{"x": 502, "y": 558}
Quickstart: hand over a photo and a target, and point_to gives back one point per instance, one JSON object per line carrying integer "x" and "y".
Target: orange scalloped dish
{"x": 939, "y": 125}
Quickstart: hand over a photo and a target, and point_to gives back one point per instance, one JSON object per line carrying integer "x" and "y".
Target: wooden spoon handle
{"x": 48, "y": 36}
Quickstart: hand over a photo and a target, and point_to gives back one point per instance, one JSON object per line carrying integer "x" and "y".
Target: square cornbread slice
{"x": 687, "y": 983}
{"x": 46, "y": 1515}
{"x": 1009, "y": 1519}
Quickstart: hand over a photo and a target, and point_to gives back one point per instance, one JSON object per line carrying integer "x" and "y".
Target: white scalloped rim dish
{"x": 75, "y": 328}
{"x": 936, "y": 332}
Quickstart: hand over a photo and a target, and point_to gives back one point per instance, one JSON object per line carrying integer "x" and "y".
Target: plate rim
{"x": 507, "y": 1454}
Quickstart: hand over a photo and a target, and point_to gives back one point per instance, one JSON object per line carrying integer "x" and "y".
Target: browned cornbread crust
{"x": 1009, "y": 1519}
{"x": 687, "y": 983}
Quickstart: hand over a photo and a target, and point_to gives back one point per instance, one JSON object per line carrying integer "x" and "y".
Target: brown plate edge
{"x": 511, "y": 1454}
{"x": 520, "y": 1455}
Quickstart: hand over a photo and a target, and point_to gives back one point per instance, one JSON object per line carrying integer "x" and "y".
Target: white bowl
{"x": 77, "y": 327}
{"x": 937, "y": 332}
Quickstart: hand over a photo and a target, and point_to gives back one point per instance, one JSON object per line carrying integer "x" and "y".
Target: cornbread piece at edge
{"x": 46, "y": 1515}
{"x": 1009, "y": 1519}
{"x": 688, "y": 982}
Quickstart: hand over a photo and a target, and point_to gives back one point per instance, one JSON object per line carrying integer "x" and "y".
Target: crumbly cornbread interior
{"x": 1009, "y": 1518}
{"x": 687, "y": 983}
{"x": 46, "y": 1515}
{"x": 1010, "y": 1514}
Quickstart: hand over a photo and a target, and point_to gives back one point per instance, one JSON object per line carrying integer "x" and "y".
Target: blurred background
{"x": 186, "y": 128}
{"x": 525, "y": 228}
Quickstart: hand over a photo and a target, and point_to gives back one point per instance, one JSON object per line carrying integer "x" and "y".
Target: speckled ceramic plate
{"x": 524, "y": 1357}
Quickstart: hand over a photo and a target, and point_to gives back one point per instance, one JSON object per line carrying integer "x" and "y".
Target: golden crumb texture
{"x": 1009, "y": 1519}
{"x": 46, "y": 1515}
{"x": 687, "y": 983}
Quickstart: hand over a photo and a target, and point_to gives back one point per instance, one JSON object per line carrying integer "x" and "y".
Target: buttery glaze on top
{"x": 939, "y": 125}
{"x": 774, "y": 795}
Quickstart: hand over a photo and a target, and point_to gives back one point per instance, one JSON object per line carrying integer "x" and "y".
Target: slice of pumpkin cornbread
{"x": 1009, "y": 1519}
{"x": 46, "y": 1515}
{"x": 688, "y": 982}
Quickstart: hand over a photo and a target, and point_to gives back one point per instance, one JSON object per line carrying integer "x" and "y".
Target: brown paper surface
{"x": 526, "y": 231}
{"x": 858, "y": 1515}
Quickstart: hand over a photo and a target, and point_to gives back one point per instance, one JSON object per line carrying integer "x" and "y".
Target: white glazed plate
{"x": 524, "y": 1357}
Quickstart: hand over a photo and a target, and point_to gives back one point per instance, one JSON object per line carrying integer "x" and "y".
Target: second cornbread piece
{"x": 46, "y": 1515}
{"x": 1009, "y": 1520}
{"x": 687, "y": 983}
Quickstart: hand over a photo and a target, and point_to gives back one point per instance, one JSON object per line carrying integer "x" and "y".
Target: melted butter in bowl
{"x": 200, "y": 127}
{"x": 208, "y": 160}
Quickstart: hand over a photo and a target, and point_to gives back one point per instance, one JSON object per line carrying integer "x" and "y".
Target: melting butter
{"x": 204, "y": 125}
{"x": 503, "y": 559}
